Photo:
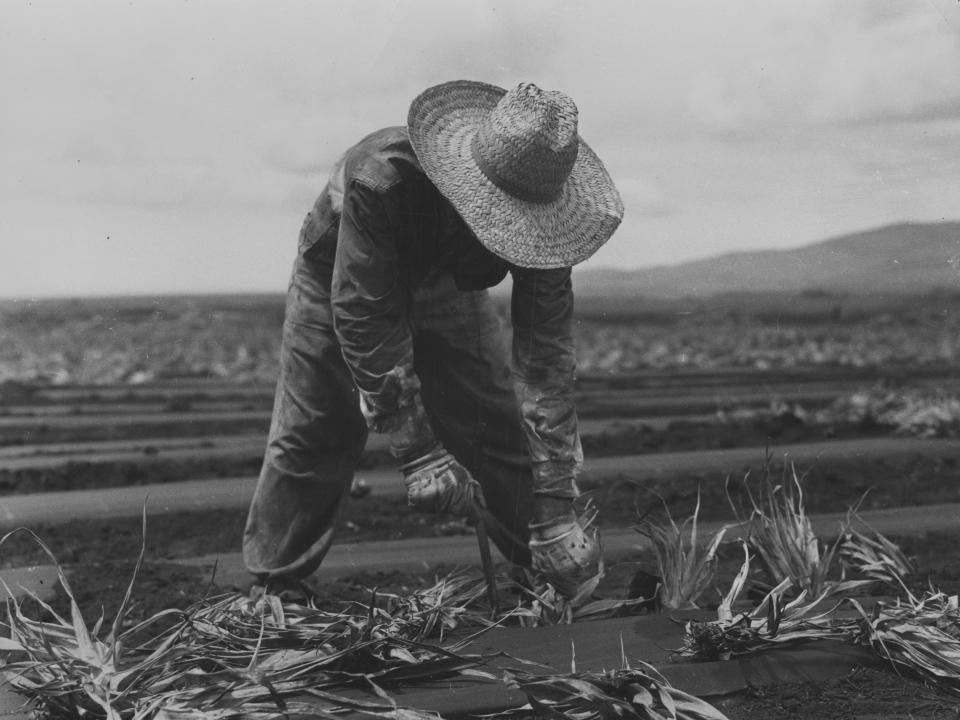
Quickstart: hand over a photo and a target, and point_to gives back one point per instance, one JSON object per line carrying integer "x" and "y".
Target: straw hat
{"x": 513, "y": 166}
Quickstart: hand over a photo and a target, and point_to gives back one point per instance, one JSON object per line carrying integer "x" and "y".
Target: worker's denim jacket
{"x": 382, "y": 226}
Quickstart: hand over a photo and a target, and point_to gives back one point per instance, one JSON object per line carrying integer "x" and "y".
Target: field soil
{"x": 99, "y": 576}
{"x": 101, "y": 555}
{"x": 865, "y": 694}
{"x": 234, "y": 340}
{"x": 762, "y": 429}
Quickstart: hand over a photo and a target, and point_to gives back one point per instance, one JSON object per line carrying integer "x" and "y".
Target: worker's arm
{"x": 545, "y": 366}
{"x": 564, "y": 541}
{"x": 370, "y": 307}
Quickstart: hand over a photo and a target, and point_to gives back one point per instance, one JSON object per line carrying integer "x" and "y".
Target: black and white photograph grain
{"x": 479, "y": 360}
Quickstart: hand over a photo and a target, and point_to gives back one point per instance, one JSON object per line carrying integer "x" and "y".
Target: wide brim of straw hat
{"x": 442, "y": 123}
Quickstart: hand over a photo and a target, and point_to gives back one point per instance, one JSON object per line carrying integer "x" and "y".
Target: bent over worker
{"x": 389, "y": 328}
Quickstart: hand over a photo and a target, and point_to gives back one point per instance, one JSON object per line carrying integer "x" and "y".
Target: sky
{"x": 175, "y": 146}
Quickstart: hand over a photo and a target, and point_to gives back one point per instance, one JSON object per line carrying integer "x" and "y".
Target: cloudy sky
{"x": 175, "y": 146}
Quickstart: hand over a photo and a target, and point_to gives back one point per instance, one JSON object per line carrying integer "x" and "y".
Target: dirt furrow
{"x": 174, "y": 497}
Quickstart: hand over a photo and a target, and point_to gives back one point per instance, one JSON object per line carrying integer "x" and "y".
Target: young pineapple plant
{"x": 876, "y": 558}
{"x": 781, "y": 536}
{"x": 237, "y": 657}
{"x": 70, "y": 669}
{"x": 634, "y": 693}
{"x": 686, "y": 569}
{"x": 233, "y": 656}
{"x": 776, "y": 621}
{"x": 918, "y": 635}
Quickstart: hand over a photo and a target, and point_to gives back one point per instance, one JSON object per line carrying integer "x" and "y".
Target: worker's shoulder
{"x": 382, "y": 160}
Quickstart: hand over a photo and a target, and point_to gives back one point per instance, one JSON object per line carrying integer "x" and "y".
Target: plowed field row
{"x": 645, "y": 437}
{"x": 643, "y": 427}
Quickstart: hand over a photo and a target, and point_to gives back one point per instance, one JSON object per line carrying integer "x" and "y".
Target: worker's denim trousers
{"x": 318, "y": 433}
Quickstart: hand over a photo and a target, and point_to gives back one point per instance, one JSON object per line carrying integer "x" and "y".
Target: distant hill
{"x": 905, "y": 258}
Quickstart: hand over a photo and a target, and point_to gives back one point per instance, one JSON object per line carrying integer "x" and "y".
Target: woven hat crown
{"x": 514, "y": 167}
{"x": 528, "y": 144}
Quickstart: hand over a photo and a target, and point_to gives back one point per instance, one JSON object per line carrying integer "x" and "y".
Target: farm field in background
{"x": 101, "y": 393}
{"x": 117, "y": 393}
{"x": 235, "y": 338}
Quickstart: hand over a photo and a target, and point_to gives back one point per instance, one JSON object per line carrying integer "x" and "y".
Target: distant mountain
{"x": 903, "y": 258}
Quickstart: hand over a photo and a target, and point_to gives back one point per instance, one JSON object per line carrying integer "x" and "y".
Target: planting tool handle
{"x": 486, "y": 560}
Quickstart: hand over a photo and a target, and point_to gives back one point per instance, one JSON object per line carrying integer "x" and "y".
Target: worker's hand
{"x": 437, "y": 483}
{"x": 566, "y": 551}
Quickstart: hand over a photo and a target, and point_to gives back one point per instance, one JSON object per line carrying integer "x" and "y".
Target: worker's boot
{"x": 565, "y": 545}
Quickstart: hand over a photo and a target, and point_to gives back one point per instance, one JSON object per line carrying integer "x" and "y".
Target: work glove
{"x": 437, "y": 483}
{"x": 566, "y": 552}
